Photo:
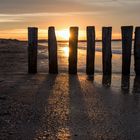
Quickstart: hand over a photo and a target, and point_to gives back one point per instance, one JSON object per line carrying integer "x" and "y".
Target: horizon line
{"x": 46, "y": 40}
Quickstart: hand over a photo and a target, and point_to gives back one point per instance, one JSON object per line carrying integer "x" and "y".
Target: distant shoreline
{"x": 42, "y": 41}
{"x": 2, "y": 40}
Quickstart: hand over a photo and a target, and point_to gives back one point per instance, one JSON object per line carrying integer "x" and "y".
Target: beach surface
{"x": 64, "y": 107}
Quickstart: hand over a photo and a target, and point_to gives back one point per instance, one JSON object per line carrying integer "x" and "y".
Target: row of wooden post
{"x": 127, "y": 38}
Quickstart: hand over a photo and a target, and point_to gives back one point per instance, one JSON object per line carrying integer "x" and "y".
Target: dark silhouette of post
{"x": 125, "y": 84}
{"x": 106, "y": 50}
{"x": 52, "y": 48}
{"x": 127, "y": 35}
{"x": 90, "y": 50}
{"x": 137, "y": 50}
{"x": 73, "y": 45}
{"x": 32, "y": 49}
{"x": 136, "y": 87}
{"x": 106, "y": 80}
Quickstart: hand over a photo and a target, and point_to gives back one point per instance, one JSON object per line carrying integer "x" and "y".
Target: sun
{"x": 63, "y": 34}
{"x": 66, "y": 51}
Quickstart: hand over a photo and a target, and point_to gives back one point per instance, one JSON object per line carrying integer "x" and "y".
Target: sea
{"x": 63, "y": 54}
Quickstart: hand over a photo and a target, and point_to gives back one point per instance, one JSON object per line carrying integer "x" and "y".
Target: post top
{"x": 90, "y": 27}
{"x": 138, "y": 27}
{"x": 107, "y": 27}
{"x": 125, "y": 27}
{"x": 32, "y": 28}
{"x": 76, "y": 27}
{"x": 51, "y": 27}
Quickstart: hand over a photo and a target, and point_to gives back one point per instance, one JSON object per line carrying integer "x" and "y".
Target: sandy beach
{"x": 64, "y": 107}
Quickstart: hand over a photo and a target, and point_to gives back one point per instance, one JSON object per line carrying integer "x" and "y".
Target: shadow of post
{"x": 26, "y": 103}
{"x": 125, "y": 84}
{"x": 79, "y": 118}
{"x": 41, "y": 118}
{"x": 136, "y": 89}
{"x": 106, "y": 80}
{"x": 136, "y": 86}
{"x": 90, "y": 78}
{"x": 37, "y": 127}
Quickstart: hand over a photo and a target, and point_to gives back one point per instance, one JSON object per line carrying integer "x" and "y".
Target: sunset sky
{"x": 17, "y": 15}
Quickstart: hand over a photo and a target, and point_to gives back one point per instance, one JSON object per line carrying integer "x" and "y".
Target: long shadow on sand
{"x": 67, "y": 107}
{"x": 24, "y": 105}
{"x": 79, "y": 118}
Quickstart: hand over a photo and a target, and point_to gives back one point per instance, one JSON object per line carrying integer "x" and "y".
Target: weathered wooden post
{"x": 52, "y": 48}
{"x": 106, "y": 80}
{"x": 127, "y": 35}
{"x": 137, "y": 50}
{"x": 73, "y": 45}
{"x": 90, "y": 50}
{"x": 136, "y": 88}
{"x": 125, "y": 83}
{"x": 106, "y": 50}
{"x": 32, "y": 49}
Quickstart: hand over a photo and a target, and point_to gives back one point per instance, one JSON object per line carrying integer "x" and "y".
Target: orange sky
{"x": 17, "y": 15}
{"x": 61, "y": 33}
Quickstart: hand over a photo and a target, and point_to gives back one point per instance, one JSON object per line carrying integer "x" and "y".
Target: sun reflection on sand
{"x": 64, "y": 134}
{"x": 58, "y": 109}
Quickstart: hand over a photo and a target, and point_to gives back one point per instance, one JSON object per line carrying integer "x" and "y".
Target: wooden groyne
{"x": 90, "y": 57}
{"x": 127, "y": 33}
{"x": 73, "y": 46}
{"x": 32, "y": 49}
{"x": 52, "y": 49}
{"x": 127, "y": 38}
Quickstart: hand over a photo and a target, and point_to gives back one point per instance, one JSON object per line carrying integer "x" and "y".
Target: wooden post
{"x": 32, "y": 49}
{"x": 90, "y": 50}
{"x": 136, "y": 88}
{"x": 127, "y": 34}
{"x": 137, "y": 51}
{"x": 73, "y": 45}
{"x": 106, "y": 50}
{"x": 125, "y": 83}
{"x": 106, "y": 80}
{"x": 52, "y": 48}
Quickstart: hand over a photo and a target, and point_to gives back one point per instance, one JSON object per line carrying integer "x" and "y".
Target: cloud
{"x": 30, "y": 6}
{"x": 44, "y": 13}
{"x": 9, "y": 20}
{"x": 66, "y": 7}
{"x": 48, "y": 14}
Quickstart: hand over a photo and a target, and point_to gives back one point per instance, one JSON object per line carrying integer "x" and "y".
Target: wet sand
{"x": 64, "y": 107}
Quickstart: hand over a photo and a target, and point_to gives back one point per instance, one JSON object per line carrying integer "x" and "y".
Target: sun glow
{"x": 66, "y": 51}
{"x": 63, "y": 34}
